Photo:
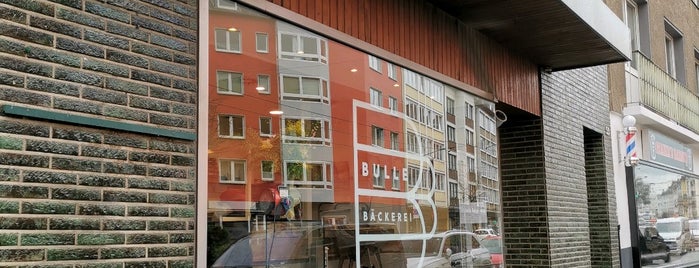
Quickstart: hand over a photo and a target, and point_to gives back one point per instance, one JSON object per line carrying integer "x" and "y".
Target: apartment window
{"x": 411, "y": 142}
{"x": 413, "y": 174}
{"x": 261, "y": 42}
{"x": 393, "y": 104}
{"x": 267, "y": 167}
{"x": 674, "y": 53}
{"x": 451, "y": 134}
{"x": 451, "y": 162}
{"x": 301, "y": 47}
{"x": 263, "y": 84}
{"x": 375, "y": 63}
{"x": 471, "y": 164}
{"x": 696, "y": 72}
{"x": 395, "y": 141}
{"x": 265, "y": 126}
{"x": 453, "y": 190}
{"x": 392, "y": 71}
{"x": 411, "y": 109}
{"x": 377, "y": 136}
{"x": 470, "y": 137}
{"x": 227, "y": 5}
{"x": 438, "y": 150}
{"x": 227, "y": 40}
{"x": 378, "y": 172}
{"x": 450, "y": 106}
{"x": 303, "y": 88}
{"x": 631, "y": 20}
{"x": 229, "y": 82}
{"x": 437, "y": 121}
{"x": 439, "y": 181}
{"x": 231, "y": 171}
{"x": 395, "y": 184}
{"x": 375, "y": 97}
{"x": 469, "y": 111}
{"x": 308, "y": 173}
{"x": 411, "y": 79}
{"x": 304, "y": 130}
{"x": 231, "y": 126}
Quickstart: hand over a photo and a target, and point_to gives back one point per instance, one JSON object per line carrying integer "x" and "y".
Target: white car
{"x": 483, "y": 233}
{"x": 452, "y": 249}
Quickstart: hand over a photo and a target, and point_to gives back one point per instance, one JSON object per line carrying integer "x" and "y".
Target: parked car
{"x": 494, "y": 246}
{"x": 451, "y": 249}
{"x": 652, "y": 246}
{"x": 694, "y": 229}
{"x": 483, "y": 233}
{"x": 675, "y": 232}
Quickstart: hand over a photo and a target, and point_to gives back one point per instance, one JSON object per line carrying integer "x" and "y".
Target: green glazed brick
{"x": 11, "y": 159}
{"x": 53, "y": 56}
{"x": 76, "y": 194}
{"x": 9, "y": 239}
{"x": 74, "y": 224}
{"x": 53, "y": 86}
{"x": 149, "y": 104}
{"x": 149, "y": 184}
{"x": 167, "y": 225}
{"x": 21, "y": 255}
{"x": 182, "y": 238}
{"x": 71, "y": 3}
{"x": 181, "y": 264}
{"x": 76, "y": 135}
{"x": 24, "y": 128}
{"x": 105, "y": 67}
{"x": 185, "y": 10}
{"x": 48, "y": 208}
{"x": 145, "y": 264}
{"x": 124, "y": 168}
{"x": 73, "y": 75}
{"x": 126, "y": 58}
{"x": 125, "y": 141}
{"x": 152, "y": 51}
{"x": 107, "y": 12}
{"x": 77, "y": 105}
{"x": 126, "y": 86}
{"x": 24, "y": 96}
{"x": 185, "y": 34}
{"x": 168, "y": 120}
{"x": 79, "y": 47}
{"x": 23, "y": 223}
{"x": 53, "y": 254}
{"x": 50, "y": 177}
{"x": 168, "y": 42}
{"x": 185, "y": 84}
{"x": 11, "y": 143}
{"x": 11, "y": 47}
{"x": 166, "y": 67}
{"x": 101, "y": 239}
{"x": 151, "y": 77}
{"x": 55, "y": 26}
{"x": 170, "y": 146}
{"x": 146, "y": 238}
{"x": 9, "y": 207}
{"x": 47, "y": 266}
{"x": 16, "y": 191}
{"x": 123, "y": 253}
{"x": 76, "y": 164}
{"x": 149, "y": 158}
{"x": 104, "y": 210}
{"x": 47, "y": 239}
{"x": 183, "y": 212}
{"x": 167, "y": 251}
{"x": 25, "y": 34}
{"x": 169, "y": 17}
{"x": 102, "y": 181}
{"x": 101, "y": 265}
{"x": 127, "y": 31}
{"x": 185, "y": 59}
{"x": 168, "y": 94}
{"x": 25, "y": 66}
{"x": 151, "y": 24}
{"x": 7, "y": 174}
{"x": 167, "y": 172}
{"x": 81, "y": 18}
{"x": 101, "y": 152}
{"x": 140, "y": 211}
{"x": 52, "y": 147}
{"x": 39, "y": 7}
{"x": 161, "y": 198}
{"x": 107, "y": 96}
{"x": 124, "y": 196}
{"x": 11, "y": 80}
{"x": 124, "y": 225}
{"x": 13, "y": 15}
{"x": 184, "y": 109}
{"x": 106, "y": 39}
{"x": 179, "y": 160}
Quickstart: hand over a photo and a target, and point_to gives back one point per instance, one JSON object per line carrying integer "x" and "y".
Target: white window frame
{"x": 696, "y": 73}
{"x": 469, "y": 111}
{"x": 231, "y": 126}
{"x": 227, "y": 5}
{"x": 451, "y": 134}
{"x": 380, "y": 181}
{"x": 324, "y": 134}
{"x": 392, "y": 70}
{"x": 670, "y": 55}
{"x": 395, "y": 179}
{"x": 265, "y": 84}
{"x": 631, "y": 21}
{"x": 299, "y": 53}
{"x": 450, "y": 106}
{"x": 323, "y": 94}
{"x": 451, "y": 161}
{"x": 232, "y": 180}
{"x": 375, "y": 63}
{"x": 395, "y": 141}
{"x": 271, "y": 131}
{"x": 392, "y": 104}
{"x": 327, "y": 174}
{"x": 440, "y": 181}
{"x": 228, "y": 88}
{"x": 262, "y": 170}
{"x": 229, "y": 44}
{"x": 375, "y": 97}
{"x": 411, "y": 142}
{"x": 377, "y": 136}
{"x": 258, "y": 46}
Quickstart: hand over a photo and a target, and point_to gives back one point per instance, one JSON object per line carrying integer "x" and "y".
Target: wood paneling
{"x": 428, "y": 36}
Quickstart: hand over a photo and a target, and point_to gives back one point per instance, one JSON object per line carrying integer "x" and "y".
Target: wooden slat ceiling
{"x": 545, "y": 31}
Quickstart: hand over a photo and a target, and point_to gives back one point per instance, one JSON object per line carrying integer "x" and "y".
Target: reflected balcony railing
{"x": 665, "y": 95}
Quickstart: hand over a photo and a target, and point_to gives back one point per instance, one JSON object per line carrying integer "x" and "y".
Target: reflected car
{"x": 652, "y": 246}
{"x": 483, "y": 233}
{"x": 451, "y": 249}
{"x": 494, "y": 246}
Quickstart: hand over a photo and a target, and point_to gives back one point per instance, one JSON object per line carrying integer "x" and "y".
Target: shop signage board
{"x": 665, "y": 150}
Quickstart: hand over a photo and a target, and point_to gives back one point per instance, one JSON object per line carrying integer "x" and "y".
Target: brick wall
{"x": 97, "y": 158}
{"x": 557, "y": 183}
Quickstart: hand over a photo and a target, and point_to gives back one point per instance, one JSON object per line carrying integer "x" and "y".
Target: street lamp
{"x": 630, "y": 161}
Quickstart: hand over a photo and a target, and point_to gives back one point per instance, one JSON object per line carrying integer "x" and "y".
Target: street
{"x": 690, "y": 259}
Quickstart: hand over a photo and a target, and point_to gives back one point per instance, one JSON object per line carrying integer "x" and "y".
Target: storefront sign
{"x": 386, "y": 216}
{"x": 669, "y": 151}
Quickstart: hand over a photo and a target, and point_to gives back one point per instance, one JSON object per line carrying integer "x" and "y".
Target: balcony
{"x": 663, "y": 94}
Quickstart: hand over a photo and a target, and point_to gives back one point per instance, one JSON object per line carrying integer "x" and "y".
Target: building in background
{"x": 659, "y": 87}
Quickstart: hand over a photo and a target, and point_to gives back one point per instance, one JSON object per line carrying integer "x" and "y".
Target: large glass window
{"x": 303, "y": 88}
{"x": 229, "y": 82}
{"x": 227, "y": 40}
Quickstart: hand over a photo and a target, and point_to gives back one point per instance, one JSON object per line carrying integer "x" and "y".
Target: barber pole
{"x": 631, "y": 157}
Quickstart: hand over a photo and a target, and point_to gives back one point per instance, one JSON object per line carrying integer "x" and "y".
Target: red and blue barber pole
{"x": 631, "y": 157}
